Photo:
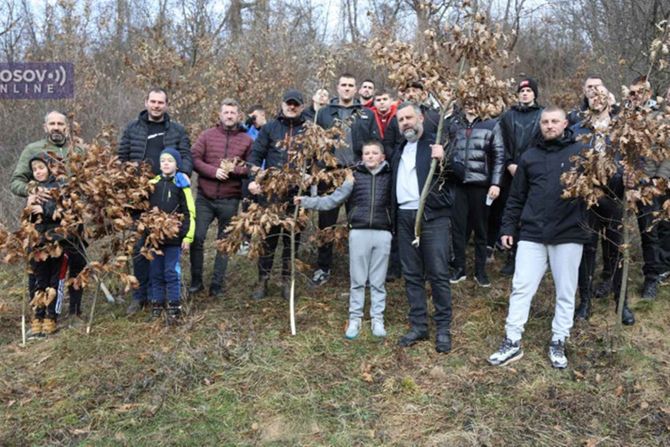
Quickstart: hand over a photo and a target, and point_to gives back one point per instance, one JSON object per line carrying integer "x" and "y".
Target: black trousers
{"x": 46, "y": 276}
{"x": 428, "y": 261}
{"x": 470, "y": 214}
{"x": 650, "y": 241}
{"x": 270, "y": 243}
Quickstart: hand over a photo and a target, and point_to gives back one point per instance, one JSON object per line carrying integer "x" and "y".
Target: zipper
{"x": 372, "y": 199}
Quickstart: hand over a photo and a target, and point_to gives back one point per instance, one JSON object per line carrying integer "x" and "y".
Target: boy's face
{"x": 40, "y": 170}
{"x": 168, "y": 164}
{"x": 372, "y": 156}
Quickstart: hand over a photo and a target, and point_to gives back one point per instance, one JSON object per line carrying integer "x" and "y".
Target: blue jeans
{"x": 165, "y": 274}
{"x": 428, "y": 261}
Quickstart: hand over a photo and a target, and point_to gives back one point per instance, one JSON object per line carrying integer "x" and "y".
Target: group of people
{"x": 498, "y": 178}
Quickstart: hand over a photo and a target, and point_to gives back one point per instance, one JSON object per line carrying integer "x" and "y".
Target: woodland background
{"x": 231, "y": 374}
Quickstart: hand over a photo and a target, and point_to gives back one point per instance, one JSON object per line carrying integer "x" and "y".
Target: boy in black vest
{"x": 370, "y": 221}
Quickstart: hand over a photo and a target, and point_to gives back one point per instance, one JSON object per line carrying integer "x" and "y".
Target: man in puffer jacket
{"x": 477, "y": 164}
{"x": 551, "y": 230}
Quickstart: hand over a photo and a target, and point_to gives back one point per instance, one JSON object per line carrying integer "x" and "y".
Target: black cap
{"x": 293, "y": 95}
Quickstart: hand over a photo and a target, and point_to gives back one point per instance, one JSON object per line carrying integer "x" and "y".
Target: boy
{"x": 172, "y": 194}
{"x": 46, "y": 271}
{"x": 370, "y": 203}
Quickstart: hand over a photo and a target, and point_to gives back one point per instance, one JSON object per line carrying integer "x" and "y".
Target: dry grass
{"x": 232, "y": 375}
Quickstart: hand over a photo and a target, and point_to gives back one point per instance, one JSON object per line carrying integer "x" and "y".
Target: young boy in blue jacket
{"x": 370, "y": 206}
{"x": 172, "y": 194}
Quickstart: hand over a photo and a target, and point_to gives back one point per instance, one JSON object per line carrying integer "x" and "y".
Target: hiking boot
{"x": 649, "y": 289}
{"x": 457, "y": 276}
{"x": 173, "y": 314}
{"x": 320, "y": 277}
{"x": 443, "y": 342}
{"x": 261, "y": 290}
{"x": 482, "y": 279}
{"x": 557, "y": 354}
{"x": 156, "y": 312}
{"x": 135, "y": 306}
{"x": 412, "y": 337}
{"x": 378, "y": 329}
{"x": 353, "y": 328}
{"x": 627, "y": 316}
{"x": 583, "y": 311}
{"x": 35, "y": 330}
{"x": 216, "y": 292}
{"x": 49, "y": 326}
{"x": 508, "y": 352}
{"x": 603, "y": 289}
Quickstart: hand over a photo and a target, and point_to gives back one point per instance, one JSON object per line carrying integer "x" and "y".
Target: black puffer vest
{"x": 370, "y": 203}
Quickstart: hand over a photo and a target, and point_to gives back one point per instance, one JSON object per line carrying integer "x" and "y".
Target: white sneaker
{"x": 557, "y": 354}
{"x": 353, "y": 328}
{"x": 244, "y": 249}
{"x": 378, "y": 328}
{"x": 508, "y": 352}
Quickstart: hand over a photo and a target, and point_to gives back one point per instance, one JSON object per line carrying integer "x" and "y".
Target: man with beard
{"x": 551, "y": 231}
{"x": 359, "y": 126}
{"x": 520, "y": 126}
{"x": 367, "y": 93}
{"x": 219, "y": 188}
{"x": 143, "y": 140}
{"x": 430, "y": 260}
{"x": 57, "y": 143}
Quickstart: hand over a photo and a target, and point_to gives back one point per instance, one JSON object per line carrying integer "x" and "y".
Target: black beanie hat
{"x": 528, "y": 82}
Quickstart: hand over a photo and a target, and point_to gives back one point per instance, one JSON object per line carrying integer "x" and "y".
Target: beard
{"x": 413, "y": 133}
{"x": 56, "y": 137}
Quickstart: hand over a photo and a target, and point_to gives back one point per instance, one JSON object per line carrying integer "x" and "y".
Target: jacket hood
{"x": 526, "y": 109}
{"x": 44, "y": 158}
{"x": 237, "y": 129}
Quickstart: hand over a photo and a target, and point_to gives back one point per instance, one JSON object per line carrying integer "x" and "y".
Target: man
{"x": 57, "y": 142}
{"x": 219, "y": 157}
{"x": 520, "y": 126}
{"x": 271, "y": 149}
{"x": 477, "y": 165}
{"x": 359, "y": 126}
{"x": 319, "y": 101}
{"x": 550, "y": 230}
{"x": 591, "y": 85}
{"x": 367, "y": 93}
{"x": 143, "y": 140}
{"x": 384, "y": 109}
{"x": 430, "y": 260}
{"x": 604, "y": 218}
{"x": 255, "y": 120}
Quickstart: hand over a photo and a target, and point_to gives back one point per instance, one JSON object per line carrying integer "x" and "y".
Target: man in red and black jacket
{"x": 219, "y": 188}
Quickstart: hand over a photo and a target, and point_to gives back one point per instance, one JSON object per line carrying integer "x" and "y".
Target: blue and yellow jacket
{"x": 173, "y": 195}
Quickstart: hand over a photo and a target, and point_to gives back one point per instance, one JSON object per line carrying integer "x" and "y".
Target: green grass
{"x": 233, "y": 375}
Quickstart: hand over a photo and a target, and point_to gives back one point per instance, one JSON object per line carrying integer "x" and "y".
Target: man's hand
{"x": 512, "y": 169}
{"x": 185, "y": 245}
{"x": 297, "y": 200}
{"x": 507, "y": 241}
{"x": 36, "y": 209}
{"x": 494, "y": 192}
{"x": 221, "y": 174}
{"x": 255, "y": 188}
{"x": 437, "y": 151}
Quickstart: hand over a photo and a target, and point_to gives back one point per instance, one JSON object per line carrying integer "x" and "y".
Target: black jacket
{"x": 477, "y": 155}
{"x": 520, "y": 128}
{"x": 370, "y": 203}
{"x": 171, "y": 198}
{"x": 45, "y": 224}
{"x": 269, "y": 143}
{"x": 535, "y": 205}
{"x": 441, "y": 197}
{"x": 133, "y": 144}
{"x": 363, "y": 128}
{"x": 393, "y": 138}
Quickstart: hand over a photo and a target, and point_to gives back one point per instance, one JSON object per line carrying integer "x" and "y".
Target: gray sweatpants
{"x": 369, "y": 252}
{"x": 531, "y": 263}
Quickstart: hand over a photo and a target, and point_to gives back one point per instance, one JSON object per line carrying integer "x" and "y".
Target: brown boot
{"x": 49, "y": 326}
{"x": 35, "y": 330}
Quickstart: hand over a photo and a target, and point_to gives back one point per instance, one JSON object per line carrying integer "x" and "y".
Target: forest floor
{"x": 232, "y": 374}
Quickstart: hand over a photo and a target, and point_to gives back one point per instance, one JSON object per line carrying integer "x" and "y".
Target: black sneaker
{"x": 156, "y": 312}
{"x": 508, "y": 268}
{"x": 489, "y": 254}
{"x": 508, "y": 352}
{"x": 457, "y": 276}
{"x": 173, "y": 314}
{"x": 482, "y": 279}
{"x": 649, "y": 289}
{"x": 603, "y": 289}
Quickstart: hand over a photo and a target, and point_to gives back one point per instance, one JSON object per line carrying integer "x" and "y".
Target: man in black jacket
{"x": 271, "y": 147}
{"x": 477, "y": 163}
{"x": 430, "y": 260}
{"x": 360, "y": 126}
{"x": 551, "y": 230}
{"x": 143, "y": 140}
{"x": 520, "y": 127}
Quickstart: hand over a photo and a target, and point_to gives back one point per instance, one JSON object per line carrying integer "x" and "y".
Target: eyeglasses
{"x": 634, "y": 92}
